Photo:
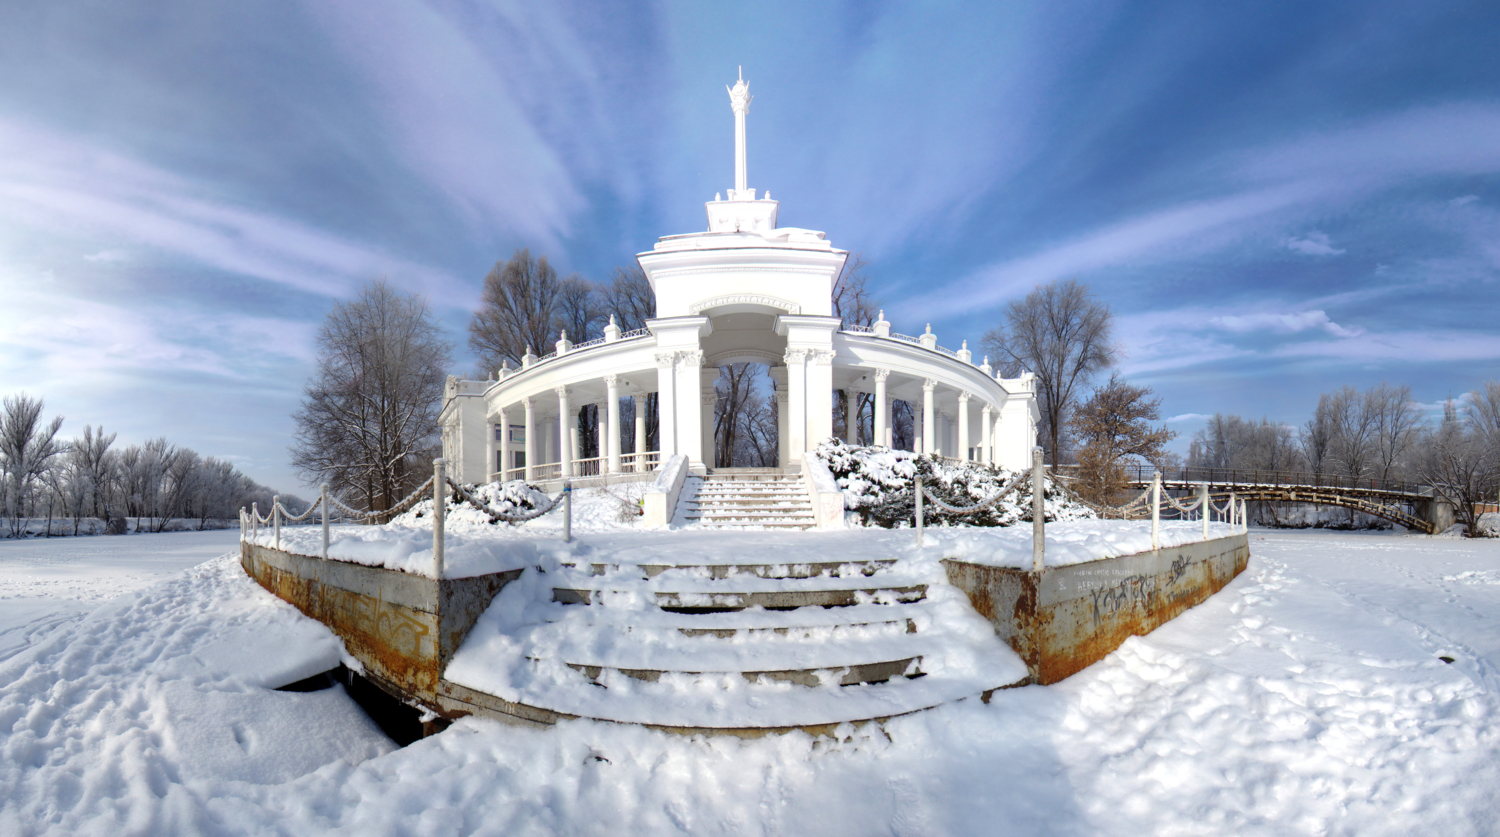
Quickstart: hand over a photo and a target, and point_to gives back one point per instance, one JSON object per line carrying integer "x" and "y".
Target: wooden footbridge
{"x": 1417, "y": 507}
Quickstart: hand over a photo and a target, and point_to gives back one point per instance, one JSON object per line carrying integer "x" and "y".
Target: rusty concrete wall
{"x": 1067, "y": 618}
{"x": 403, "y": 628}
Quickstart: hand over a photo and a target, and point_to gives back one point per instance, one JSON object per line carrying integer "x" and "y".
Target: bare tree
{"x": 1459, "y": 460}
{"x": 517, "y": 310}
{"x": 370, "y": 412}
{"x": 1397, "y": 423}
{"x": 27, "y": 447}
{"x": 629, "y": 298}
{"x": 1061, "y": 332}
{"x": 580, "y": 310}
{"x": 1316, "y": 438}
{"x": 852, "y": 301}
{"x": 1234, "y": 442}
{"x": 744, "y": 418}
{"x": 1114, "y": 426}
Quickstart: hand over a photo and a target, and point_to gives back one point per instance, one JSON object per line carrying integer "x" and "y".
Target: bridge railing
{"x": 1249, "y": 476}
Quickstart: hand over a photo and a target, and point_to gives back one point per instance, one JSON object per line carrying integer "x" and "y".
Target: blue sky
{"x": 1275, "y": 198}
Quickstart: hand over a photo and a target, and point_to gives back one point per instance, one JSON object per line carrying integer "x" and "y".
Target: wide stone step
{"x": 851, "y": 675}
{"x": 822, "y": 569}
{"x": 715, "y": 600}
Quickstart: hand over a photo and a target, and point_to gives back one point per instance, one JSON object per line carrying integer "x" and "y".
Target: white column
{"x": 504, "y": 444}
{"x": 689, "y": 405}
{"x": 709, "y": 376}
{"x": 783, "y": 440}
{"x": 567, "y": 442}
{"x": 882, "y": 409}
{"x": 851, "y": 416}
{"x": 819, "y": 396}
{"x": 666, "y": 403}
{"x": 640, "y": 431}
{"x": 530, "y": 442}
{"x": 927, "y": 415}
{"x": 986, "y": 440}
{"x": 963, "y": 426}
{"x": 601, "y": 421}
{"x": 612, "y": 417}
{"x": 890, "y": 425}
{"x": 995, "y": 437}
{"x": 796, "y": 404}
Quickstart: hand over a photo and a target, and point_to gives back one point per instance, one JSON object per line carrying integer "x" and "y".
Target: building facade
{"x": 745, "y": 290}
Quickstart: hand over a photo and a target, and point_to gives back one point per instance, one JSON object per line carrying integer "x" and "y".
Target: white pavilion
{"x": 744, "y": 290}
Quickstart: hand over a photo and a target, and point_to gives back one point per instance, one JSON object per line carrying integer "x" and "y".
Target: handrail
{"x": 1254, "y": 476}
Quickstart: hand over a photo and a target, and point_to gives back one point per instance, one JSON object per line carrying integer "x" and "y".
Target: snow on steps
{"x": 737, "y": 647}
{"x": 743, "y": 499}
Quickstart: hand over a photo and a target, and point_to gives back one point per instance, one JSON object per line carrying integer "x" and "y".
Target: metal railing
{"x": 1249, "y": 476}
{"x": 630, "y": 463}
{"x": 1233, "y": 511}
{"x": 251, "y": 519}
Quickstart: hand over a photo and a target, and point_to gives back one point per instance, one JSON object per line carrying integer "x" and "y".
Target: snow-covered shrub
{"x": 504, "y": 497}
{"x": 878, "y": 484}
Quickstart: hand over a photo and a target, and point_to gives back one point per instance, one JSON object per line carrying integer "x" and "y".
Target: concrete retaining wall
{"x": 402, "y": 628}
{"x": 1066, "y": 618}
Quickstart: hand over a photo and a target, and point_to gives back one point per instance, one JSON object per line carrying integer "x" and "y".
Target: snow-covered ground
{"x": 45, "y": 581}
{"x": 1307, "y": 697}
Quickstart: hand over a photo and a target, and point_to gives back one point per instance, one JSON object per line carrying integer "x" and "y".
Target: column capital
{"x": 882, "y": 374}
{"x": 710, "y": 398}
{"x": 963, "y": 397}
{"x": 692, "y": 357}
{"x": 929, "y": 385}
{"x": 795, "y": 355}
{"x": 986, "y": 410}
{"x": 563, "y": 392}
{"x": 612, "y": 380}
{"x": 823, "y": 357}
{"x": 664, "y": 360}
{"x": 781, "y": 396}
{"x": 527, "y": 402}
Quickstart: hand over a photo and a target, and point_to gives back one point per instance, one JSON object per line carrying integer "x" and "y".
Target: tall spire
{"x": 739, "y": 101}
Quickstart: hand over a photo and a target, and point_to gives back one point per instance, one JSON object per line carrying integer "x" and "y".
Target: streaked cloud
{"x": 1314, "y": 244}
{"x": 1283, "y": 323}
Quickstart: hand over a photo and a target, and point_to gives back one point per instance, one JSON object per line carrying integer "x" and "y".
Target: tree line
{"x": 1379, "y": 434}
{"x": 87, "y": 478}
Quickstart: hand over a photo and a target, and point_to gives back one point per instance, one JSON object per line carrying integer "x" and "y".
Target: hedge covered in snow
{"x": 878, "y": 484}
{"x": 512, "y": 497}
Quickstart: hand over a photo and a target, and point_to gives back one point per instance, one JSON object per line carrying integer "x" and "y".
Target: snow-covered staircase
{"x": 737, "y": 642}
{"x": 745, "y": 499}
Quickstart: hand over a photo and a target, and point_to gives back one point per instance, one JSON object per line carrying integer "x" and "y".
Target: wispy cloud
{"x": 1188, "y": 417}
{"x": 108, "y": 256}
{"x": 1283, "y": 323}
{"x": 1140, "y": 240}
{"x": 1314, "y": 244}
{"x": 58, "y": 184}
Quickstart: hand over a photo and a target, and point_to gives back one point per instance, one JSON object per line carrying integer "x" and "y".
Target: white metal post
{"x": 1038, "y": 511}
{"x": 439, "y": 512}
{"x": 276, "y": 518}
{"x": 567, "y": 512}
{"x": 1156, "y": 510}
{"x": 1203, "y": 507}
{"x": 919, "y": 510}
{"x": 324, "y": 501}
{"x": 255, "y": 521}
